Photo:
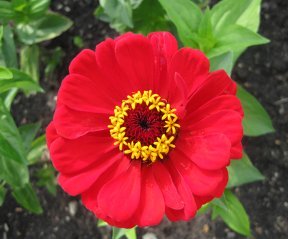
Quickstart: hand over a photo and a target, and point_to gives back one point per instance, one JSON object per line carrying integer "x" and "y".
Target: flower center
{"x": 144, "y": 126}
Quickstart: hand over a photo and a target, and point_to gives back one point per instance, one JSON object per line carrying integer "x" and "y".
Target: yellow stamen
{"x": 162, "y": 145}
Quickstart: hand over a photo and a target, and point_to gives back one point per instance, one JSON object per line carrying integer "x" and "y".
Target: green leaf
{"x": 38, "y": 7}
{"x": 228, "y": 12}
{"x": 46, "y": 178}
{"x": 8, "y": 48}
{"x": 14, "y": 173}
{"x": 143, "y": 15}
{"x": 2, "y": 194}
{"x": 117, "y": 12}
{"x": 243, "y": 172}
{"x": 48, "y": 27}
{"x": 118, "y": 233}
{"x": 205, "y": 37}
{"x": 136, "y": 3}
{"x": 234, "y": 215}
{"x": 204, "y": 208}
{"x": 20, "y": 80}
{"x": 78, "y": 41}
{"x": 186, "y": 16}
{"x": 27, "y": 11}
{"x": 9, "y": 97}
{"x": 101, "y": 223}
{"x": 28, "y": 133}
{"x": 223, "y": 61}
{"x": 235, "y": 37}
{"x": 6, "y": 12}
{"x": 256, "y": 120}
{"x": 29, "y": 61}
{"x": 38, "y": 146}
{"x": 27, "y": 198}
{"x": 5, "y": 73}
{"x": 10, "y": 139}
{"x": 52, "y": 60}
{"x": 249, "y": 19}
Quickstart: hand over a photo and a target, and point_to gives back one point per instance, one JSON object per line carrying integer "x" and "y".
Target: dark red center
{"x": 143, "y": 125}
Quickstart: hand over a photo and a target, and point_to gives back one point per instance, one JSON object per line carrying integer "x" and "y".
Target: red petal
{"x": 119, "y": 82}
{"x": 152, "y": 207}
{"x": 190, "y": 206}
{"x": 223, "y": 102}
{"x": 218, "y": 83}
{"x": 178, "y": 95}
{"x": 209, "y": 152}
{"x": 201, "y": 182}
{"x": 171, "y": 197}
{"x": 82, "y": 94}
{"x": 135, "y": 57}
{"x": 72, "y": 156}
{"x": 84, "y": 64}
{"x": 89, "y": 197}
{"x": 72, "y": 124}
{"x": 164, "y": 47}
{"x": 79, "y": 183}
{"x": 227, "y": 122}
{"x": 120, "y": 197}
{"x": 51, "y": 134}
{"x": 192, "y": 65}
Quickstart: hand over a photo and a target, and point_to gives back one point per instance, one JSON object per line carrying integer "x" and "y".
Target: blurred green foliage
{"x": 24, "y": 24}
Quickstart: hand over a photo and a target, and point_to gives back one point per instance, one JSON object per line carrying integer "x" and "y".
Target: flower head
{"x": 142, "y": 130}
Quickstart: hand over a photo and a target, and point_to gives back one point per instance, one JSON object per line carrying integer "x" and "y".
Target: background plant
{"x": 223, "y": 32}
{"x": 23, "y": 25}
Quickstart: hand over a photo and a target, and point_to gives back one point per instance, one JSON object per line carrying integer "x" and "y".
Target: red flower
{"x": 142, "y": 129}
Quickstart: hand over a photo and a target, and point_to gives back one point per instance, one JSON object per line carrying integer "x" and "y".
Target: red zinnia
{"x": 142, "y": 129}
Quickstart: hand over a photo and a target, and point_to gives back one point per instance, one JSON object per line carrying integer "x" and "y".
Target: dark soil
{"x": 262, "y": 70}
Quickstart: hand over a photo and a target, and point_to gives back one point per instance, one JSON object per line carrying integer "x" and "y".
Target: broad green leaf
{"x": 27, "y": 11}
{"x": 234, "y": 215}
{"x": 14, "y": 173}
{"x": 38, "y": 146}
{"x": 20, "y": 80}
{"x": 38, "y": 7}
{"x": 249, "y": 19}
{"x": 2, "y": 194}
{"x": 256, "y": 120}
{"x": 186, "y": 16}
{"x": 8, "y": 48}
{"x": 143, "y": 15}
{"x": 49, "y": 26}
{"x": 28, "y": 133}
{"x": 27, "y": 198}
{"x": 205, "y": 37}
{"x": 224, "y": 61}
{"x": 135, "y": 3}
{"x": 228, "y": 12}
{"x": 5, "y": 73}
{"x": 29, "y": 61}
{"x": 10, "y": 139}
{"x": 118, "y": 233}
{"x": 117, "y": 12}
{"x": 9, "y": 97}
{"x": 47, "y": 178}
{"x": 6, "y": 12}
{"x": 243, "y": 172}
{"x": 235, "y": 38}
